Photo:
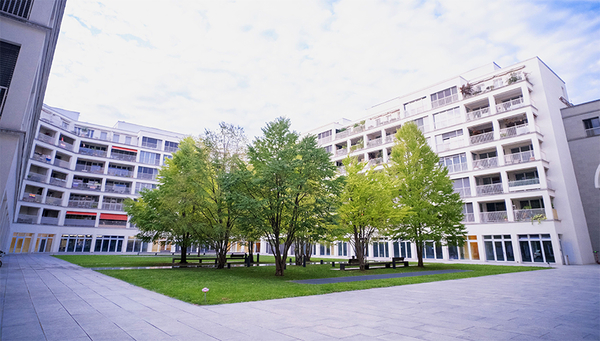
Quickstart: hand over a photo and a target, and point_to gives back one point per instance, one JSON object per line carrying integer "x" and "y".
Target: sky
{"x": 185, "y": 66}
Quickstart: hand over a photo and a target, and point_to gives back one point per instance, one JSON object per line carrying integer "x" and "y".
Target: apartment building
{"x": 28, "y": 34}
{"x": 500, "y": 133}
{"x": 76, "y": 180}
{"x": 582, "y": 128}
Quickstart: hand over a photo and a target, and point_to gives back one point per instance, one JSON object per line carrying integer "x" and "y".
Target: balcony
{"x": 49, "y": 221}
{"x": 46, "y": 138}
{"x": 112, "y": 223}
{"x": 358, "y": 129}
{"x": 463, "y": 192}
{"x": 83, "y": 203}
{"x": 92, "y": 152}
{"x": 80, "y": 222}
{"x": 376, "y": 161}
{"x": 62, "y": 163}
{"x": 117, "y": 189}
{"x": 468, "y": 217}
{"x": 485, "y": 163}
{"x": 123, "y": 157}
{"x": 30, "y": 197}
{"x": 90, "y": 169}
{"x": 171, "y": 149}
{"x": 514, "y": 131}
{"x": 321, "y": 141}
{"x": 515, "y": 158}
{"x": 458, "y": 167}
{"x": 27, "y": 218}
{"x": 390, "y": 138}
{"x": 341, "y": 152}
{"x": 510, "y": 105}
{"x": 527, "y": 215}
{"x": 450, "y": 144}
{"x": 526, "y": 182}
{"x": 120, "y": 172}
{"x": 342, "y": 134}
{"x": 341, "y": 170}
{"x": 489, "y": 189}
{"x": 375, "y": 142}
{"x": 42, "y": 158}
{"x": 146, "y": 176}
{"x": 86, "y": 186}
{"x": 54, "y": 201}
{"x": 477, "y": 114}
{"x": 414, "y": 111}
{"x": 491, "y": 217}
{"x": 58, "y": 182}
{"x": 36, "y": 177}
{"x": 482, "y": 138}
{"x": 65, "y": 145}
{"x": 444, "y": 101}
{"x": 113, "y": 206}
{"x": 151, "y": 145}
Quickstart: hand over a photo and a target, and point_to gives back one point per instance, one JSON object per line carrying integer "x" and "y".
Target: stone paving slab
{"x": 44, "y": 298}
{"x": 347, "y": 279}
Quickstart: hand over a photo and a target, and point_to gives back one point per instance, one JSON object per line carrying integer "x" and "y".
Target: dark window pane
{"x": 548, "y": 251}
{"x": 525, "y": 253}
{"x": 499, "y": 251}
{"x": 509, "y": 251}
{"x": 536, "y": 247}
{"x": 489, "y": 251}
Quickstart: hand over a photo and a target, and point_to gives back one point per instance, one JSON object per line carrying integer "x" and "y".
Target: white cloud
{"x": 186, "y": 65}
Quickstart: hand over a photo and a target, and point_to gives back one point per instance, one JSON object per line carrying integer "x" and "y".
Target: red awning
{"x": 113, "y": 216}
{"x": 80, "y": 213}
{"x": 126, "y": 149}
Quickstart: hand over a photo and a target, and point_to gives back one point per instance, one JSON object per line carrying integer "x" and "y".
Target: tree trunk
{"x": 221, "y": 258}
{"x": 420, "y": 255}
{"x": 184, "y": 248}
{"x": 250, "y": 252}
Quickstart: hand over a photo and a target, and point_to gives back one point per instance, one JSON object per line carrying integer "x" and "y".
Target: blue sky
{"x": 187, "y": 65}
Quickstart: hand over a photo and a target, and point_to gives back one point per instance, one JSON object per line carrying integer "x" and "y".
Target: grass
{"x": 259, "y": 283}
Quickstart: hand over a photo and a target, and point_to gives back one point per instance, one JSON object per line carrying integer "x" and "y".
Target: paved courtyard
{"x": 44, "y": 298}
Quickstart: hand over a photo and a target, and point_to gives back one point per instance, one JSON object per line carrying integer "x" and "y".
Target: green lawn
{"x": 259, "y": 283}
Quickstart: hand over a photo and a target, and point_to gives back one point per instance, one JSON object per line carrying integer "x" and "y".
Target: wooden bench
{"x": 399, "y": 260}
{"x": 199, "y": 259}
{"x": 354, "y": 264}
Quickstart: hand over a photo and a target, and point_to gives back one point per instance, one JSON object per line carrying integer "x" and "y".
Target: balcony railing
{"x": 171, "y": 149}
{"x": 117, "y": 189}
{"x": 42, "y": 158}
{"x": 525, "y": 156}
{"x": 414, "y": 111}
{"x": 86, "y": 186}
{"x": 358, "y": 129}
{"x": 376, "y": 161}
{"x": 320, "y": 142}
{"x": 374, "y": 142}
{"x": 592, "y": 132}
{"x": 451, "y": 144}
{"x": 27, "y": 218}
{"x": 92, "y": 152}
{"x": 58, "y": 182}
{"x": 62, "y": 163}
{"x": 113, "y": 223}
{"x": 482, "y": 138}
{"x": 479, "y": 113}
{"x": 90, "y": 169}
{"x": 510, "y": 105}
{"x": 80, "y": 222}
{"x": 489, "y": 189}
{"x": 54, "y": 201}
{"x": 65, "y": 145}
{"x": 150, "y": 145}
{"x": 19, "y": 8}
{"x": 493, "y": 216}
{"x": 49, "y": 221}
{"x": 444, "y": 101}
{"x": 390, "y": 138}
{"x": 525, "y": 182}
{"x": 113, "y": 206}
{"x": 341, "y": 151}
{"x": 485, "y": 163}
{"x": 36, "y": 177}
{"x": 358, "y": 146}
{"x": 468, "y": 217}
{"x": 514, "y": 131}
{"x": 527, "y": 215}
{"x": 342, "y": 134}
{"x": 32, "y": 197}
{"x": 83, "y": 203}
{"x": 464, "y": 192}
{"x": 46, "y": 138}
{"x": 458, "y": 167}
{"x": 122, "y": 157}
{"x": 342, "y": 170}
{"x": 146, "y": 176}
{"x": 120, "y": 172}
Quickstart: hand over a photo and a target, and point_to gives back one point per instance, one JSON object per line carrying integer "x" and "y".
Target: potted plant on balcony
{"x": 513, "y": 78}
{"x": 538, "y": 218}
{"x": 466, "y": 90}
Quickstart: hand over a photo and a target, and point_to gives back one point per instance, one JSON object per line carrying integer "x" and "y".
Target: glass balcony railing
{"x": 92, "y": 152}
{"x": 514, "y": 158}
{"x": 54, "y": 201}
{"x": 27, "y": 218}
{"x": 30, "y": 197}
{"x": 58, "y": 182}
{"x": 514, "y": 131}
{"x": 524, "y": 182}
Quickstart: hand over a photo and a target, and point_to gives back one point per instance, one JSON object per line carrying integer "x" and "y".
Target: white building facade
{"x": 500, "y": 133}
{"x": 76, "y": 180}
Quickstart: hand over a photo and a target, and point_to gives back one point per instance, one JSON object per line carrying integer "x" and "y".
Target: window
{"x": 116, "y": 138}
{"x": 433, "y": 250}
{"x": 381, "y": 249}
{"x": 462, "y": 186}
{"x": 495, "y": 206}
{"x": 444, "y": 97}
{"x": 468, "y": 215}
{"x": 449, "y": 140}
{"x": 498, "y": 248}
{"x": 324, "y": 134}
{"x": 420, "y": 122}
{"x": 109, "y": 243}
{"x": 526, "y": 175}
{"x": 18, "y": 8}
{"x": 171, "y": 147}
{"x": 147, "y": 173}
{"x": 84, "y": 132}
{"x": 75, "y": 243}
{"x": 592, "y": 126}
{"x": 142, "y": 185}
{"x": 536, "y": 248}
{"x": 531, "y": 203}
{"x": 150, "y": 142}
{"x": 135, "y": 245}
{"x": 165, "y": 157}
{"x": 447, "y": 118}
{"x": 414, "y": 107}
{"x": 103, "y": 135}
{"x": 149, "y": 158}
{"x": 342, "y": 249}
{"x": 455, "y": 163}
{"x": 521, "y": 149}
{"x": 9, "y": 53}
{"x": 328, "y": 148}
{"x": 127, "y": 139}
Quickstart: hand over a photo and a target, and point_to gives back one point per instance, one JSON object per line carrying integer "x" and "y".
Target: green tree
{"x": 365, "y": 206}
{"x": 423, "y": 186}
{"x": 289, "y": 178}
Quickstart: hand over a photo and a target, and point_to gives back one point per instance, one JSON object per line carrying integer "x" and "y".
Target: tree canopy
{"x": 423, "y": 186}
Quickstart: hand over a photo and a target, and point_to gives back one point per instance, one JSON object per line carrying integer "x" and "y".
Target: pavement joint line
{"x": 332, "y": 280}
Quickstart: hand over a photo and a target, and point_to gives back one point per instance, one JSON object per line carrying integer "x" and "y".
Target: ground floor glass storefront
{"x": 75, "y": 243}
{"x": 536, "y": 248}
